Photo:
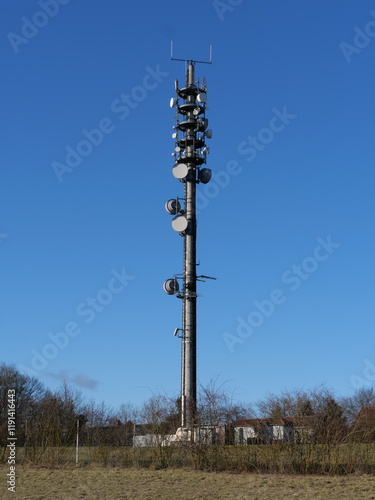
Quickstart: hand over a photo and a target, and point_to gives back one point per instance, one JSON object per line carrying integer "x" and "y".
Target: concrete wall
{"x": 153, "y": 440}
{"x": 217, "y": 435}
{"x": 202, "y": 435}
{"x": 245, "y": 433}
{"x": 282, "y": 434}
{"x": 263, "y": 434}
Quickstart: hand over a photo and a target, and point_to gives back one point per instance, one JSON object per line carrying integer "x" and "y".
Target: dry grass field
{"x": 112, "y": 483}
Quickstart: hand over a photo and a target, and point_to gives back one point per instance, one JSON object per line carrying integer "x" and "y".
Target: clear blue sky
{"x": 292, "y": 112}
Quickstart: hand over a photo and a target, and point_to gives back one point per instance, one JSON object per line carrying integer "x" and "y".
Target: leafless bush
{"x": 28, "y": 392}
{"x": 319, "y": 407}
{"x": 217, "y": 406}
{"x": 52, "y": 428}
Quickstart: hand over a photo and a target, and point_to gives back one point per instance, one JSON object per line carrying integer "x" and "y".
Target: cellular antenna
{"x": 190, "y": 133}
{"x": 190, "y": 60}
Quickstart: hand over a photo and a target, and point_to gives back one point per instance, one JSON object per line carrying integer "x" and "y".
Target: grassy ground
{"x": 102, "y": 483}
{"x": 353, "y": 458}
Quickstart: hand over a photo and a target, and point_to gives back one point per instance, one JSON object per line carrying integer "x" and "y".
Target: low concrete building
{"x": 241, "y": 432}
{"x": 260, "y": 431}
{"x": 202, "y": 435}
{"x": 304, "y": 427}
{"x": 266, "y": 430}
{"x": 153, "y": 440}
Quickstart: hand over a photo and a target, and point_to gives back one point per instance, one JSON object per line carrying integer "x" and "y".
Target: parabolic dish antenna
{"x": 173, "y": 206}
{"x": 180, "y": 171}
{"x": 171, "y": 286}
{"x": 205, "y": 175}
{"x": 202, "y": 97}
{"x": 179, "y": 223}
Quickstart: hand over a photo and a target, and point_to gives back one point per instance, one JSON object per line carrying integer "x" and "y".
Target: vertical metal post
{"x": 190, "y": 276}
{"x": 77, "y": 441}
{"x": 190, "y": 153}
{"x": 183, "y": 399}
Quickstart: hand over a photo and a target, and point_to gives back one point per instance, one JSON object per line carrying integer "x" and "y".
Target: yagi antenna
{"x": 190, "y": 60}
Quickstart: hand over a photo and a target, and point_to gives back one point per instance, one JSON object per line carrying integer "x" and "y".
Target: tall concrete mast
{"x": 190, "y": 133}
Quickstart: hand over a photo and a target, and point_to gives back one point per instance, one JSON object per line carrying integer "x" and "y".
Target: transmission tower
{"x": 190, "y": 154}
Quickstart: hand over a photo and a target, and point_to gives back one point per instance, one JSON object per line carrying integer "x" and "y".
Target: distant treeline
{"x": 341, "y": 434}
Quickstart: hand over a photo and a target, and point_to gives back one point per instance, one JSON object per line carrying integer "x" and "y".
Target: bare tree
{"x": 126, "y": 419}
{"x": 160, "y": 415}
{"x": 128, "y": 412}
{"x": 160, "y": 419}
{"x": 290, "y": 403}
{"x": 217, "y": 406}
{"x": 28, "y": 392}
{"x": 363, "y": 397}
{"x": 52, "y": 428}
{"x": 319, "y": 406}
{"x": 99, "y": 430}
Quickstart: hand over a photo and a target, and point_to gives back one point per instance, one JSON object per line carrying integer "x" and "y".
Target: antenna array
{"x": 190, "y": 155}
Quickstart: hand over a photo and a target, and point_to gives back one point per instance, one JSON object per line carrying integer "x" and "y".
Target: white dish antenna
{"x": 202, "y": 97}
{"x": 180, "y": 171}
{"x": 179, "y": 223}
